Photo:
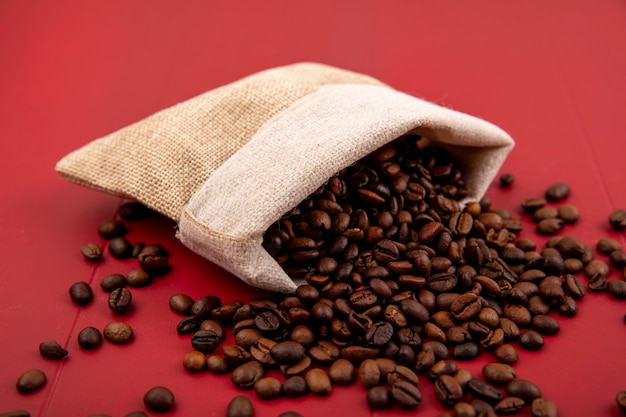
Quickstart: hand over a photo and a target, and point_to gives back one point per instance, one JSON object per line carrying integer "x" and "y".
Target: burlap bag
{"x": 228, "y": 163}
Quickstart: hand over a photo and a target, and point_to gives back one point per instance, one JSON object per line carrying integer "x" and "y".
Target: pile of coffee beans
{"x": 405, "y": 281}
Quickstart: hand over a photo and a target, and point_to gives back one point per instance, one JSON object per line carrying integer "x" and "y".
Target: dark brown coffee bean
{"x": 608, "y": 245}
{"x": 235, "y": 355}
{"x": 112, "y": 282}
{"x": 111, "y": 229}
{"x": 546, "y": 325}
{"x": 465, "y": 306}
{"x": 531, "y": 205}
{"x": 245, "y": 375}
{"x": 81, "y": 293}
{"x": 92, "y": 252}
{"x": 133, "y": 210}
{"x": 318, "y": 382}
{"x": 540, "y": 407}
{"x": 442, "y": 367}
{"x": 261, "y": 351}
{"x": 545, "y": 212}
{"x": 118, "y": 332}
{"x": 369, "y": 373}
{"x": 287, "y": 352}
{"x": 568, "y": 213}
{"x": 617, "y": 258}
{"x": 120, "y": 247}
{"x": 506, "y": 180}
{"x": 341, "y": 372}
{"x": 617, "y": 288}
{"x": 573, "y": 286}
{"x": 617, "y": 219}
{"x": 465, "y": 351}
{"x": 463, "y": 409}
{"x": 31, "y": 381}
{"x": 188, "y": 325}
{"x": 267, "y": 388}
{"x": 509, "y": 405}
{"x": 294, "y": 386}
{"x": 217, "y": 365}
{"x": 424, "y": 360}
{"x": 154, "y": 260}
{"x": 549, "y": 226}
{"x": 324, "y": 352}
{"x": 194, "y": 362}
{"x": 597, "y": 283}
{"x": 379, "y": 334}
{"x": 240, "y": 406}
{"x": 484, "y": 390}
{"x": 138, "y": 278}
{"x": 531, "y": 340}
{"x": 523, "y": 389}
{"x": 405, "y": 395}
{"x": 15, "y": 413}
{"x": 378, "y": 398}
{"x": 159, "y": 399}
{"x": 52, "y": 350}
{"x": 181, "y": 304}
{"x": 357, "y": 354}
{"x": 506, "y": 353}
{"x": 120, "y": 300}
{"x": 137, "y": 248}
{"x": 498, "y": 373}
{"x": 567, "y": 307}
{"x": 89, "y": 338}
{"x": 557, "y": 191}
{"x": 447, "y": 391}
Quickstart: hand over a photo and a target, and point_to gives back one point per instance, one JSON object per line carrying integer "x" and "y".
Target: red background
{"x": 550, "y": 73}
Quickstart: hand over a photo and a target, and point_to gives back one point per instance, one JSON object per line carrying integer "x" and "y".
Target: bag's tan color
{"x": 230, "y": 162}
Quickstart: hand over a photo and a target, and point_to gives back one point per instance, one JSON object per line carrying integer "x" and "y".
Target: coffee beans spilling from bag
{"x": 404, "y": 282}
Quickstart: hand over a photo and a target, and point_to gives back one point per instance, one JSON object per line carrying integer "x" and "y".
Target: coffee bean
{"x": 204, "y": 306}
{"x": 245, "y": 375}
{"x": 214, "y": 326}
{"x": 465, "y": 306}
{"x": 120, "y": 248}
{"x": 181, "y": 304}
{"x": 287, "y": 352}
{"x": 89, "y": 338}
{"x": 369, "y": 373}
{"x": 379, "y": 334}
{"x": 240, "y": 406}
{"x": 159, "y": 399}
{"x": 133, "y": 210}
{"x": 378, "y": 398}
{"x": 267, "y": 388}
{"x": 531, "y": 205}
{"x": 111, "y": 229}
{"x": 523, "y": 389}
{"x": 545, "y": 212}
{"x": 447, "y": 391}
{"x": 608, "y": 245}
{"x": 205, "y": 341}
{"x": 318, "y": 382}
{"x": 136, "y": 414}
{"x": 294, "y": 386}
{"x": 617, "y": 219}
{"x": 549, "y": 226}
{"x": 81, "y": 293}
{"x": 92, "y": 252}
{"x": 52, "y": 350}
{"x": 194, "y": 362}
{"x": 235, "y": 355}
{"x": 568, "y": 213}
{"x": 546, "y": 325}
{"x": 465, "y": 351}
{"x": 509, "y": 405}
{"x": 464, "y": 409}
{"x": 138, "y": 247}
{"x": 112, "y": 282}
{"x": 531, "y": 340}
{"x": 217, "y": 365}
{"x": 15, "y": 413}
{"x": 188, "y": 325}
{"x": 405, "y": 395}
{"x": 118, "y": 333}
{"x": 573, "y": 286}
{"x": 557, "y": 191}
{"x": 153, "y": 261}
{"x": 617, "y": 258}
{"x": 138, "y": 278}
{"x": 120, "y": 300}
{"x": 261, "y": 351}
{"x": 540, "y": 407}
{"x": 498, "y": 373}
{"x": 620, "y": 398}
{"x": 31, "y": 381}
{"x": 484, "y": 390}
{"x": 506, "y": 179}
{"x": 617, "y": 288}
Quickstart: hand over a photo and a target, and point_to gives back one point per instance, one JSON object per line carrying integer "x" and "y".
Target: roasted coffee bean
{"x": 120, "y": 247}
{"x": 81, "y": 293}
{"x": 245, "y": 375}
{"x": 341, "y": 372}
{"x": 506, "y": 353}
{"x": 112, "y": 282}
{"x": 617, "y": 258}
{"x": 424, "y": 360}
{"x": 379, "y": 334}
{"x": 203, "y": 306}
{"x": 523, "y": 389}
{"x": 287, "y": 352}
{"x": 181, "y": 304}
{"x": 617, "y": 219}
{"x": 296, "y": 368}
{"x": 290, "y": 414}
{"x": 226, "y": 313}
{"x": 567, "y": 307}
{"x": 217, "y": 365}
{"x": 538, "y": 305}
{"x": 111, "y": 229}
{"x": 159, "y": 399}
{"x": 465, "y": 351}
{"x": 189, "y": 325}
{"x": 608, "y": 245}
{"x": 235, "y": 355}
{"x": 120, "y": 300}
{"x": 568, "y": 213}
{"x": 153, "y": 260}
{"x": 92, "y": 252}
{"x": 267, "y": 388}
{"x": 324, "y": 352}
{"x": 465, "y": 306}
{"x": 531, "y": 340}
{"x": 401, "y": 373}
{"x": 214, "y": 326}
{"x": 378, "y": 398}
{"x": 484, "y": 390}
{"x": 138, "y": 278}
{"x": 369, "y": 373}
{"x": 442, "y": 367}
{"x": 294, "y": 386}
{"x": 194, "y": 362}
{"x": 557, "y": 191}
{"x": 15, "y": 413}
{"x": 597, "y": 267}
{"x": 506, "y": 180}
{"x": 545, "y": 212}
{"x": 137, "y": 248}
{"x": 318, "y": 382}
{"x": 546, "y": 325}
{"x": 463, "y": 376}
{"x": 549, "y": 226}
{"x": 118, "y": 332}
{"x": 533, "y": 204}
{"x": 240, "y": 406}
{"x": 52, "y": 350}
{"x": 357, "y": 354}
{"x": 31, "y": 381}
{"x": 617, "y": 288}
{"x": 405, "y": 395}
{"x": 133, "y": 210}
{"x": 540, "y": 407}
{"x": 447, "y": 391}
{"x": 509, "y": 405}
{"x": 89, "y": 338}
{"x": 498, "y": 373}
{"x": 261, "y": 351}
{"x": 597, "y": 282}
{"x": 573, "y": 286}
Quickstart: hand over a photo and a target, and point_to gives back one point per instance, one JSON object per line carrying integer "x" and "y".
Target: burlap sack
{"x": 230, "y": 162}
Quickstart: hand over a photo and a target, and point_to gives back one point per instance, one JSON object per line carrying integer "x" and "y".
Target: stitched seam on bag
{"x": 214, "y": 233}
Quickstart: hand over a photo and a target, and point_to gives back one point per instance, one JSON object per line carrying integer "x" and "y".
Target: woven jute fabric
{"x": 229, "y": 163}
{"x": 163, "y": 159}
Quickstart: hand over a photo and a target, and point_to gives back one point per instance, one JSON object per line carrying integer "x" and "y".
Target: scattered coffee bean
{"x": 506, "y": 180}
{"x": 617, "y": 219}
{"x": 89, "y": 338}
{"x": 240, "y": 406}
{"x": 531, "y": 340}
{"x": 118, "y": 333}
{"x": 133, "y": 210}
{"x": 31, "y": 381}
{"x": 194, "y": 362}
{"x": 378, "y": 398}
{"x": 405, "y": 395}
{"x": 498, "y": 373}
{"x": 81, "y": 293}
{"x": 15, "y": 413}
{"x": 509, "y": 405}
{"x": 267, "y": 388}
{"x": 523, "y": 389}
{"x": 540, "y": 407}
{"x": 136, "y": 414}
{"x": 290, "y": 414}
{"x": 245, "y": 375}
{"x": 120, "y": 300}
{"x": 112, "y": 282}
{"x": 52, "y": 350}
{"x": 120, "y": 247}
{"x": 617, "y": 288}
{"x": 620, "y": 398}
{"x": 205, "y": 341}
{"x": 111, "y": 229}
{"x": 217, "y": 365}
{"x": 181, "y": 304}
{"x": 568, "y": 213}
{"x": 138, "y": 278}
{"x": 557, "y": 191}
{"x": 92, "y": 252}
{"x": 159, "y": 399}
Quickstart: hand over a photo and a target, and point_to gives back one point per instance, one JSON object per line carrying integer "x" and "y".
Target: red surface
{"x": 550, "y": 73}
